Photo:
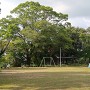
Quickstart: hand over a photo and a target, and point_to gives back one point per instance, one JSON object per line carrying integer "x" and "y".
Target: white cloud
{"x": 87, "y": 21}
{"x": 79, "y": 8}
{"x": 59, "y": 7}
{"x": 7, "y": 6}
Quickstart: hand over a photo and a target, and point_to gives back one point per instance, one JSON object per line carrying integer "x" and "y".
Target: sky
{"x": 77, "y": 10}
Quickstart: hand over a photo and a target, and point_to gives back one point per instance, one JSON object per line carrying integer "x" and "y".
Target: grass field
{"x": 47, "y": 78}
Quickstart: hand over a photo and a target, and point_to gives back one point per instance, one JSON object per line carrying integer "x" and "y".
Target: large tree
{"x": 40, "y": 26}
{"x": 34, "y": 31}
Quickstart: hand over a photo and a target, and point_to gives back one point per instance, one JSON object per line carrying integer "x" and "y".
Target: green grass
{"x": 47, "y": 78}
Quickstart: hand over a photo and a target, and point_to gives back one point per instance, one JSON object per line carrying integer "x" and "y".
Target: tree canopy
{"x": 34, "y": 31}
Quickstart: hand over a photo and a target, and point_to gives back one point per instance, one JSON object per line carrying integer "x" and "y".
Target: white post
{"x": 60, "y": 57}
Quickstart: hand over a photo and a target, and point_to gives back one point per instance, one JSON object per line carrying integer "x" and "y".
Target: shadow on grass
{"x": 45, "y": 81}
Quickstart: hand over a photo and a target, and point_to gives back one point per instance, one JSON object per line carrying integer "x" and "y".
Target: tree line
{"x": 34, "y": 31}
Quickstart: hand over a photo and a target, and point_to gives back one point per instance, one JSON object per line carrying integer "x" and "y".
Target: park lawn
{"x": 45, "y": 78}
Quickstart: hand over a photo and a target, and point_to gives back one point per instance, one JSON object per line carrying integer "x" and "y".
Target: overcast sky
{"x": 77, "y": 10}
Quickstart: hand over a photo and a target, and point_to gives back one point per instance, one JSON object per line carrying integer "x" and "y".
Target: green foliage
{"x": 36, "y": 31}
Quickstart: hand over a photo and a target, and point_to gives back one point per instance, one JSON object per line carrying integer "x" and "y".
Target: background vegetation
{"x": 34, "y": 31}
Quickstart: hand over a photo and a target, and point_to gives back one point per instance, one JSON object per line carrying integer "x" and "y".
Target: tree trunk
{"x": 4, "y": 49}
{"x": 28, "y": 58}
